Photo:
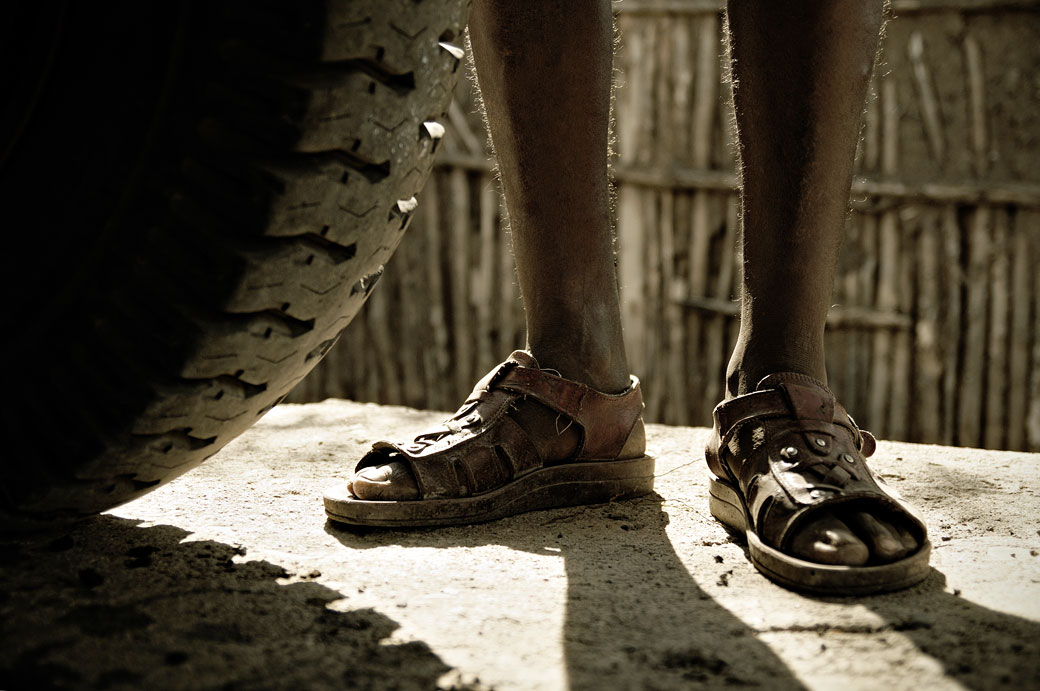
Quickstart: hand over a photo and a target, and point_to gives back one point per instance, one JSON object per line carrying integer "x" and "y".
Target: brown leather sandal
{"x": 783, "y": 452}
{"x": 480, "y": 464}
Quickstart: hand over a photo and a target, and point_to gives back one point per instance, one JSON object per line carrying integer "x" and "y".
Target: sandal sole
{"x": 553, "y": 487}
{"x": 728, "y": 507}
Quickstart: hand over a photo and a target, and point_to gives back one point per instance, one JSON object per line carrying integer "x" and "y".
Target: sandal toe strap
{"x": 788, "y": 493}
{"x": 464, "y": 464}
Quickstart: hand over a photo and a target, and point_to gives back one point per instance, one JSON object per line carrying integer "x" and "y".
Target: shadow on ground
{"x": 653, "y": 626}
{"x": 113, "y": 605}
{"x": 612, "y": 606}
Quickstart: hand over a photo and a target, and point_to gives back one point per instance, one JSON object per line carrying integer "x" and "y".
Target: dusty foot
{"x": 852, "y": 538}
{"x": 551, "y": 433}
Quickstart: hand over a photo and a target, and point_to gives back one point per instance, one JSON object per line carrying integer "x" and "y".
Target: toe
{"x": 887, "y": 542}
{"x": 828, "y": 540}
{"x": 390, "y": 482}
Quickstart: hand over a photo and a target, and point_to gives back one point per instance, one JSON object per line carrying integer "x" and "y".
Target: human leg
{"x": 544, "y": 70}
{"x": 801, "y": 71}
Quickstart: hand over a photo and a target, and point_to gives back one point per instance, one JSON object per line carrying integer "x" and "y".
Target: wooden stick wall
{"x": 932, "y": 335}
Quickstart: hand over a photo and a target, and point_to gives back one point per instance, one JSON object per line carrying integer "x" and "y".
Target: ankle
{"x": 605, "y": 374}
{"x": 585, "y": 347}
{"x": 746, "y": 370}
{"x": 600, "y": 365}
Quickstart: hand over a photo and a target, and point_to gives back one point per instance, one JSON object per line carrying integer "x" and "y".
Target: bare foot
{"x": 852, "y": 538}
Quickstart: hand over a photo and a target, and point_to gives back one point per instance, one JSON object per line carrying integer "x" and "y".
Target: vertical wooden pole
{"x": 673, "y": 376}
{"x": 850, "y": 282}
{"x": 886, "y": 297}
{"x": 383, "y": 345}
{"x": 1031, "y": 219}
{"x": 929, "y": 364}
{"x": 953, "y": 316}
{"x": 996, "y": 362}
{"x": 972, "y": 388}
{"x": 655, "y": 362}
{"x": 435, "y": 362}
{"x": 409, "y": 328}
{"x": 1022, "y": 299}
{"x": 371, "y": 355}
{"x": 901, "y": 413}
{"x": 634, "y": 118}
{"x": 459, "y": 261}
{"x": 931, "y": 116}
{"x": 976, "y": 104}
{"x": 671, "y": 381}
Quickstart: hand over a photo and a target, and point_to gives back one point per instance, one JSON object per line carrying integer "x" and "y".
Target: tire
{"x": 201, "y": 198}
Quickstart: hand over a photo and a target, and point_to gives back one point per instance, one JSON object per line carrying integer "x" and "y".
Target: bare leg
{"x": 544, "y": 69}
{"x": 801, "y": 70}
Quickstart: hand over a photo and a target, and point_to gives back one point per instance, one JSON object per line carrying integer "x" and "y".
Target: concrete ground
{"x": 231, "y": 578}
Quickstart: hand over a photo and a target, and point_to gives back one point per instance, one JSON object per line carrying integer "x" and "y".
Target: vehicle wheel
{"x": 199, "y": 199}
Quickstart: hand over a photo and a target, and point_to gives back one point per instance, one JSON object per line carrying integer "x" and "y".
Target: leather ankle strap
{"x": 607, "y": 420}
{"x": 788, "y": 399}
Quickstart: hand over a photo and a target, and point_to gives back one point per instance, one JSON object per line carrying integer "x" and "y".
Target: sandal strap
{"x": 796, "y": 395}
{"x": 481, "y": 447}
{"x": 606, "y": 420}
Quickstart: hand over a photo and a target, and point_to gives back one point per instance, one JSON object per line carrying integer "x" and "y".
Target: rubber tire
{"x": 203, "y": 196}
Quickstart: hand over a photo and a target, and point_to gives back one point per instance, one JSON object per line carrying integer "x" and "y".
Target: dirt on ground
{"x": 230, "y": 577}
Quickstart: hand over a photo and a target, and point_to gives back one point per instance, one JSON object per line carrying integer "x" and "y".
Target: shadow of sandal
{"x": 635, "y": 618}
{"x": 977, "y": 647}
{"x": 113, "y": 605}
{"x": 979, "y": 501}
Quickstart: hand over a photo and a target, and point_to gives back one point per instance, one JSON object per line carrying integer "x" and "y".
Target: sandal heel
{"x": 586, "y": 493}
{"x": 725, "y": 505}
{"x": 596, "y": 482}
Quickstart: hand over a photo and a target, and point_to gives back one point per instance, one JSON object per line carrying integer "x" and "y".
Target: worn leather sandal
{"x": 782, "y": 453}
{"x": 480, "y": 464}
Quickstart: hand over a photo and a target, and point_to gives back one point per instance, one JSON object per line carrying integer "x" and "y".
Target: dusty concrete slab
{"x": 230, "y": 578}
